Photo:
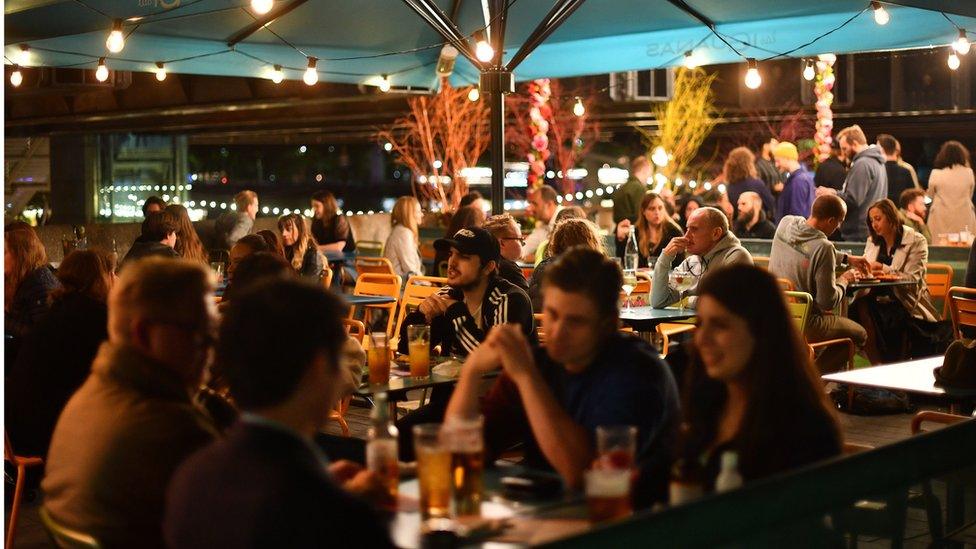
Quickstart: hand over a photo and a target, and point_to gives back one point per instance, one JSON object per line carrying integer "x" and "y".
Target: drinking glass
{"x": 682, "y": 280}
{"x": 465, "y": 440}
{"x": 616, "y": 446}
{"x": 218, "y": 270}
{"x": 418, "y": 339}
{"x": 627, "y": 289}
{"x": 433, "y": 470}
{"x": 607, "y": 493}
{"x": 379, "y": 358}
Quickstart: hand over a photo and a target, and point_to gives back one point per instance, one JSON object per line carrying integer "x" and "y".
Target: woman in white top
{"x": 951, "y": 188}
{"x": 402, "y": 246}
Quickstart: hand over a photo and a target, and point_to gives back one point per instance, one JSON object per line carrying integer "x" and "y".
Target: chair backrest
{"x": 798, "y": 304}
{"x": 539, "y": 331}
{"x": 414, "y": 292}
{"x": 378, "y": 284}
{"x": 355, "y": 329}
{"x": 326, "y": 277}
{"x": 380, "y": 265}
{"x": 938, "y": 279}
{"x": 760, "y": 261}
{"x": 962, "y": 308}
{"x": 369, "y": 248}
{"x": 786, "y": 284}
{"x": 934, "y": 417}
{"x": 65, "y": 537}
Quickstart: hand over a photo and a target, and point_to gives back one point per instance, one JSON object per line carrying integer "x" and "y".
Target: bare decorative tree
{"x": 441, "y": 135}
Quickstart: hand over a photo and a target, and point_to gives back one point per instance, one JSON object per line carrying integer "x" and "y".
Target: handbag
{"x": 958, "y": 369}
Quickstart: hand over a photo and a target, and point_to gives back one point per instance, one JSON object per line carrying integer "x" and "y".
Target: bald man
{"x": 709, "y": 244}
{"x": 802, "y": 254}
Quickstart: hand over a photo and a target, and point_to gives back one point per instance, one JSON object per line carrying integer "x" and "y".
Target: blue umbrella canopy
{"x": 356, "y": 41}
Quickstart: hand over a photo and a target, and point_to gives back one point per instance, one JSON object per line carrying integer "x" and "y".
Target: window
{"x": 646, "y": 85}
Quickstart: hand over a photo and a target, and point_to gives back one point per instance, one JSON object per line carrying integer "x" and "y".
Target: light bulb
{"x": 277, "y": 75}
{"x": 262, "y": 6}
{"x": 689, "y": 61}
{"x": 961, "y": 45}
{"x": 311, "y": 76}
{"x": 482, "y": 49}
{"x": 384, "y": 83}
{"x": 578, "y": 108}
{"x": 15, "y": 77}
{"x": 881, "y": 16}
{"x": 23, "y": 56}
{"x": 160, "y": 72}
{"x": 808, "y": 72}
{"x": 474, "y": 94}
{"x": 753, "y": 80}
{"x": 101, "y": 73}
{"x": 953, "y": 61}
{"x": 115, "y": 41}
{"x": 660, "y": 156}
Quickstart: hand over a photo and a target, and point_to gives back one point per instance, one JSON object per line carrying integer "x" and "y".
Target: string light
{"x": 311, "y": 76}
{"x": 115, "y": 41}
{"x": 660, "y": 157}
{"x": 578, "y": 108}
{"x": 689, "y": 61}
{"x": 15, "y": 77}
{"x": 961, "y": 45}
{"x": 386, "y": 147}
{"x": 881, "y": 16}
{"x": 808, "y": 72}
{"x": 384, "y": 83}
{"x": 753, "y": 79}
{"x": 262, "y": 6}
{"x": 101, "y": 73}
{"x": 482, "y": 49}
{"x": 160, "y": 71}
{"x": 474, "y": 94}
{"x": 277, "y": 75}
{"x": 23, "y": 56}
{"x": 953, "y": 61}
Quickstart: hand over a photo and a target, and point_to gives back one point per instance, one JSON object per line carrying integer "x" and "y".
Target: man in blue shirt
{"x": 588, "y": 374}
{"x": 799, "y": 191}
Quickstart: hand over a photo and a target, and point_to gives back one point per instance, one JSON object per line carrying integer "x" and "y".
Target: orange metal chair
{"x": 377, "y": 285}
{"x": 414, "y": 292}
{"x": 760, "y": 261}
{"x": 357, "y": 330}
{"x": 938, "y": 279}
{"x": 21, "y": 463}
{"x": 378, "y": 265}
{"x": 962, "y": 308}
{"x": 326, "y": 277}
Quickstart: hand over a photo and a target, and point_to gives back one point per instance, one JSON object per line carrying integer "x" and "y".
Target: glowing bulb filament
{"x": 116, "y": 40}
{"x": 961, "y": 45}
{"x": 23, "y": 56}
{"x": 482, "y": 49}
{"x": 384, "y": 83}
{"x": 160, "y": 72}
{"x": 311, "y": 76}
{"x": 953, "y": 61}
{"x": 101, "y": 73}
{"x": 277, "y": 76}
{"x": 474, "y": 94}
{"x": 15, "y": 77}
{"x": 808, "y": 72}
{"x": 262, "y": 6}
{"x": 881, "y": 16}
{"x": 689, "y": 60}
{"x": 753, "y": 79}
{"x": 578, "y": 108}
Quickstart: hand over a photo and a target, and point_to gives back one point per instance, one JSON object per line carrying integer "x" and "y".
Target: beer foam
{"x": 605, "y": 483}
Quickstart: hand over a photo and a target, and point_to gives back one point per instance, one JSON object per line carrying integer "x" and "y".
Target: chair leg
{"x": 15, "y": 506}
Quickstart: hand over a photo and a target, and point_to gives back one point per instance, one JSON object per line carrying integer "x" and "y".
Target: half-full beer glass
{"x": 466, "y": 443}
{"x": 433, "y": 470}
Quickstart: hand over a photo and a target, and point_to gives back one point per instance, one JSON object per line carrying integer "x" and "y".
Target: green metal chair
{"x": 65, "y": 537}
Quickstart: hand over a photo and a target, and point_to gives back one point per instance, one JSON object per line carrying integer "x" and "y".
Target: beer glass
{"x": 465, "y": 441}
{"x": 433, "y": 470}
{"x": 379, "y": 358}
{"x": 607, "y": 493}
{"x": 418, "y": 338}
{"x": 616, "y": 446}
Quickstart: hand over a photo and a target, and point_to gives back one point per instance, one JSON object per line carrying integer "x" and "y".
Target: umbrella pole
{"x": 497, "y": 83}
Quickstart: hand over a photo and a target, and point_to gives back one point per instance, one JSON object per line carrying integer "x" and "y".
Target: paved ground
{"x": 869, "y": 430}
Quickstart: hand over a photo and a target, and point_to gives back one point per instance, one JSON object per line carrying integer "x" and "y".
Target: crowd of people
{"x": 170, "y": 420}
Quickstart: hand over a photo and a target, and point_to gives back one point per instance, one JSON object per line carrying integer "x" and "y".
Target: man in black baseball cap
{"x": 462, "y": 312}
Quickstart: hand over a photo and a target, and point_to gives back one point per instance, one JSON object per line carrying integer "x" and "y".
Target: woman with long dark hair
{"x": 751, "y": 387}
{"x": 45, "y": 374}
{"x": 300, "y": 250}
{"x": 951, "y": 186}
{"x": 654, "y": 231}
{"x": 188, "y": 243}
{"x": 27, "y": 279}
{"x": 330, "y": 230}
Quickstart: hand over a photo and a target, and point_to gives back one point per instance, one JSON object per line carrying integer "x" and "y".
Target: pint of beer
{"x": 379, "y": 358}
{"x": 608, "y": 494}
{"x": 433, "y": 471}
{"x": 466, "y": 443}
{"x": 419, "y": 345}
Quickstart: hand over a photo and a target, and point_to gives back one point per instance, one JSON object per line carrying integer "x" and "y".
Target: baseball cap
{"x": 472, "y": 241}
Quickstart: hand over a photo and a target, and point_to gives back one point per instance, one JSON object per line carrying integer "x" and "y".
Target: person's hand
{"x": 677, "y": 245}
{"x": 513, "y": 348}
{"x": 623, "y": 229}
{"x": 823, "y": 191}
{"x": 367, "y": 485}
{"x": 435, "y": 305}
{"x": 859, "y": 263}
{"x": 914, "y": 217}
{"x": 344, "y": 470}
{"x": 778, "y": 187}
{"x": 849, "y": 276}
{"x": 484, "y": 358}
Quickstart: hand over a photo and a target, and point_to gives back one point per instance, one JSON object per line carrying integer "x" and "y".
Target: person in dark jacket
{"x": 158, "y": 238}
{"x": 766, "y": 168}
{"x": 267, "y": 484}
{"x": 832, "y": 171}
{"x": 899, "y": 178}
{"x": 330, "y": 229}
{"x": 464, "y": 217}
{"x": 44, "y": 376}
{"x": 751, "y": 221}
{"x": 510, "y": 240}
{"x": 27, "y": 279}
{"x": 627, "y": 198}
{"x": 232, "y": 226}
{"x": 300, "y": 249}
{"x": 866, "y": 183}
{"x": 799, "y": 191}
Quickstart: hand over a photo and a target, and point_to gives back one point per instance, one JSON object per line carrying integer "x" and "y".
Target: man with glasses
{"x": 123, "y": 434}
{"x": 709, "y": 245}
{"x": 510, "y": 240}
